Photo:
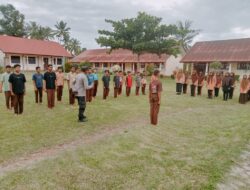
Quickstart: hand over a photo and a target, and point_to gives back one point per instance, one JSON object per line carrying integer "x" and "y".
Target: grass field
{"x": 194, "y": 146}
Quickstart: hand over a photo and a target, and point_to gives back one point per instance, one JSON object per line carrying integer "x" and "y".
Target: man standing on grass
{"x": 5, "y": 87}
{"x": 70, "y": 80}
{"x": 38, "y": 85}
{"x": 106, "y": 80}
{"x": 137, "y": 83}
{"x": 95, "y": 75}
{"x": 17, "y": 82}
{"x": 129, "y": 81}
{"x": 59, "y": 83}
{"x": 80, "y": 87}
{"x": 117, "y": 83}
{"x": 50, "y": 86}
{"x": 90, "y": 78}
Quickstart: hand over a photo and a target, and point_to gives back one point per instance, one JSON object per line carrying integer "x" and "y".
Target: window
{"x": 243, "y": 66}
{"x": 15, "y": 60}
{"x": 31, "y": 60}
{"x": 157, "y": 66}
{"x": 225, "y": 66}
{"x": 97, "y": 65}
{"x": 105, "y": 65}
{"x": 143, "y": 65}
{"x": 59, "y": 61}
{"x": 54, "y": 61}
{"x": 46, "y": 60}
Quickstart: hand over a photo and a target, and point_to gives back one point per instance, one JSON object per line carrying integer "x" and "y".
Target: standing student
{"x": 244, "y": 88}
{"x": 17, "y": 82}
{"x": 143, "y": 84}
{"x": 249, "y": 88}
{"x": 59, "y": 83}
{"x": 5, "y": 87}
{"x": 71, "y": 76}
{"x": 179, "y": 79}
{"x": 129, "y": 82}
{"x": 201, "y": 79}
{"x": 106, "y": 80}
{"x": 95, "y": 88}
{"x": 218, "y": 84}
{"x": 116, "y": 81}
{"x": 80, "y": 87}
{"x": 211, "y": 81}
{"x": 155, "y": 89}
{"x": 194, "y": 83}
{"x": 90, "y": 78}
{"x": 185, "y": 84}
{"x": 137, "y": 83}
{"x": 226, "y": 85}
{"x": 38, "y": 85}
{"x": 233, "y": 81}
{"x": 49, "y": 86}
{"x": 121, "y": 82}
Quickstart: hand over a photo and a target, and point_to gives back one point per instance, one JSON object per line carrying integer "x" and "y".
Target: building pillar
{"x": 230, "y": 68}
{"x": 192, "y": 67}
{"x": 102, "y": 66}
{"x": 133, "y": 68}
{"x": 206, "y": 69}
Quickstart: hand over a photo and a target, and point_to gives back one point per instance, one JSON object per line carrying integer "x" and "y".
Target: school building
{"x": 31, "y": 53}
{"x": 128, "y": 61}
{"x": 233, "y": 54}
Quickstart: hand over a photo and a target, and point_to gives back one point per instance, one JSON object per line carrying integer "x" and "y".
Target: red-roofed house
{"x": 31, "y": 53}
{"x": 233, "y": 54}
{"x": 103, "y": 59}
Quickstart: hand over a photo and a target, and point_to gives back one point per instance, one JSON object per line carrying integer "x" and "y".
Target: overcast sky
{"x": 218, "y": 19}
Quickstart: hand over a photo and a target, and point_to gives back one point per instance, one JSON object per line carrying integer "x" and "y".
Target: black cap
{"x": 17, "y": 65}
{"x": 84, "y": 68}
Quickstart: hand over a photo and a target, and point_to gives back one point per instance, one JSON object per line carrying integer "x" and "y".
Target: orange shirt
{"x": 59, "y": 79}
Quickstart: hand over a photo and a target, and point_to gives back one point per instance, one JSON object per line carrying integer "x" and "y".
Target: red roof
{"x": 236, "y": 50}
{"x": 117, "y": 56}
{"x": 16, "y": 45}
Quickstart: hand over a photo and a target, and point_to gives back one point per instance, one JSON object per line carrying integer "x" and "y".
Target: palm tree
{"x": 73, "y": 46}
{"x": 35, "y": 31}
{"x": 62, "y": 32}
{"x": 185, "y": 34}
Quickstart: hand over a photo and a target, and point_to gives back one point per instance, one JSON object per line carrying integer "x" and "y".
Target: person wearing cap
{"x": 59, "y": 83}
{"x": 17, "y": 82}
{"x": 81, "y": 84}
{"x": 49, "y": 86}
{"x": 38, "y": 85}
{"x": 5, "y": 87}
{"x": 95, "y": 75}
{"x": 71, "y": 76}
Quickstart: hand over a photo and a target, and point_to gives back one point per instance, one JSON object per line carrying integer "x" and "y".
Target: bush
{"x": 85, "y": 64}
{"x": 1, "y": 69}
{"x": 216, "y": 65}
{"x": 150, "y": 70}
{"x": 67, "y": 67}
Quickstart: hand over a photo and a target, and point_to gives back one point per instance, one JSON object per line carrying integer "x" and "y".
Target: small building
{"x": 233, "y": 54}
{"x": 31, "y": 53}
{"x": 128, "y": 61}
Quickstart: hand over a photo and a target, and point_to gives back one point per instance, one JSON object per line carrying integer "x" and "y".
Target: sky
{"x": 217, "y": 19}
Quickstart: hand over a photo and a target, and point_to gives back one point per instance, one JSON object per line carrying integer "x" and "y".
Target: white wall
{"x": 172, "y": 64}
{"x": 2, "y": 55}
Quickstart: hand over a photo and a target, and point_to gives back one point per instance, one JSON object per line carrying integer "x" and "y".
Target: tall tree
{"x": 62, "y": 32}
{"x": 74, "y": 46}
{"x": 12, "y": 22}
{"x": 145, "y": 33}
{"x": 185, "y": 34}
{"x": 36, "y": 31}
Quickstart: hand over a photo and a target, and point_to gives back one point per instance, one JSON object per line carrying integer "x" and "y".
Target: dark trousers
{"x": 82, "y": 107}
{"x": 243, "y": 98}
{"x": 116, "y": 89}
{"x": 89, "y": 95}
{"x": 193, "y": 88}
{"x": 9, "y": 99}
{"x": 178, "y": 88}
{"x": 216, "y": 92}
{"x": 248, "y": 95}
{"x": 226, "y": 92}
{"x": 210, "y": 94}
{"x": 95, "y": 88}
{"x": 128, "y": 91}
{"x": 59, "y": 93}
{"x": 154, "y": 109}
{"x": 71, "y": 97}
{"x": 51, "y": 98}
{"x": 18, "y": 103}
{"x": 120, "y": 90}
{"x": 199, "y": 90}
{"x": 185, "y": 88}
{"x": 39, "y": 95}
{"x": 231, "y": 93}
{"x": 137, "y": 90}
{"x": 105, "y": 92}
{"x": 143, "y": 89}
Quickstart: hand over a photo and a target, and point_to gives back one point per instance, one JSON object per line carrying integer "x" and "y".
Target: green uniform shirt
{"x": 5, "y": 80}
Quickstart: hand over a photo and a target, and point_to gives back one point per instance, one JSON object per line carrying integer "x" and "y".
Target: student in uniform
{"x": 49, "y": 86}
{"x": 143, "y": 84}
{"x": 137, "y": 83}
{"x": 244, "y": 88}
{"x": 38, "y": 85}
{"x": 233, "y": 81}
{"x": 201, "y": 79}
{"x": 90, "y": 78}
{"x": 226, "y": 85}
{"x": 129, "y": 82}
{"x": 185, "y": 84}
{"x": 179, "y": 79}
{"x": 17, "y": 82}
{"x": 121, "y": 82}
{"x": 218, "y": 84}
{"x": 116, "y": 81}
{"x": 210, "y": 84}
{"x": 59, "y": 83}
{"x": 106, "y": 80}
{"x": 194, "y": 83}
{"x": 249, "y": 88}
{"x": 95, "y": 88}
{"x": 71, "y": 76}
{"x": 5, "y": 87}
{"x": 155, "y": 89}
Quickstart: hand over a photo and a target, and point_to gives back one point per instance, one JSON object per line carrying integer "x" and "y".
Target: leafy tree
{"x": 35, "y": 31}
{"x": 73, "y": 46}
{"x": 185, "y": 34}
{"x": 12, "y": 22}
{"x": 62, "y": 32}
{"x": 145, "y": 33}
{"x": 216, "y": 65}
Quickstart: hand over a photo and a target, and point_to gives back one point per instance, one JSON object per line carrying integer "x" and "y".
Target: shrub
{"x": 67, "y": 67}
{"x": 85, "y": 64}
{"x": 150, "y": 70}
{"x": 216, "y": 65}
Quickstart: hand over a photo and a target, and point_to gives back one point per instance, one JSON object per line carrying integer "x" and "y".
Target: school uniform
{"x": 155, "y": 87}
{"x": 226, "y": 86}
{"x": 50, "y": 86}
{"x": 200, "y": 84}
{"x": 185, "y": 84}
{"x": 18, "y": 88}
{"x": 194, "y": 84}
{"x": 179, "y": 83}
{"x": 71, "y": 79}
{"x": 138, "y": 85}
{"x": 9, "y": 99}
{"x": 244, "y": 92}
{"x": 89, "y": 91}
{"x": 249, "y": 89}
{"x": 217, "y": 86}
{"x": 121, "y": 84}
{"x": 129, "y": 82}
{"x": 143, "y": 85}
{"x": 231, "y": 91}
{"x": 59, "y": 85}
{"x": 95, "y": 88}
{"x": 105, "y": 80}
{"x": 211, "y": 81}
{"x": 116, "y": 81}
{"x": 38, "y": 82}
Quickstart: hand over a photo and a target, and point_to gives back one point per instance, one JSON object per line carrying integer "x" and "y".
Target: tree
{"x": 12, "y": 21}
{"x": 185, "y": 34}
{"x": 62, "y": 32}
{"x": 216, "y": 65}
{"x": 73, "y": 46}
{"x": 145, "y": 33}
{"x": 35, "y": 31}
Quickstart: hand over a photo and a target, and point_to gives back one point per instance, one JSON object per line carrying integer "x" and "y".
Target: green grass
{"x": 192, "y": 148}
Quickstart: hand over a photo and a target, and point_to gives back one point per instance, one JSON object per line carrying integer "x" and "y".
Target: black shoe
{"x": 84, "y": 117}
{"x": 82, "y": 120}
